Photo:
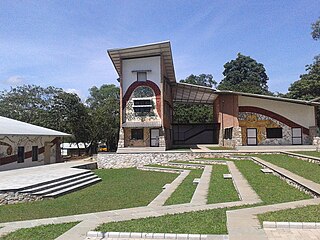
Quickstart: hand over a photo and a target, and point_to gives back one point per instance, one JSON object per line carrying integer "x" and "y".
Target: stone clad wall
{"x": 140, "y": 159}
{"x": 15, "y": 197}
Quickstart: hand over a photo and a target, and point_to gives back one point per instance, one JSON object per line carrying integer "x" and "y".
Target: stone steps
{"x": 63, "y": 185}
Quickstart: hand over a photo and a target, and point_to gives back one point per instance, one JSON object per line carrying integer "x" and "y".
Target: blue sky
{"x": 64, "y": 43}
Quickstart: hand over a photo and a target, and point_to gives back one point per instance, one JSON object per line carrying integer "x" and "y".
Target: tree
{"x": 315, "y": 30}
{"x": 195, "y": 113}
{"x": 308, "y": 86}
{"x": 104, "y": 108}
{"x": 244, "y": 74}
{"x": 201, "y": 80}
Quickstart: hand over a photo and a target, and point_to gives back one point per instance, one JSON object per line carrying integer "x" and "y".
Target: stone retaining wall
{"x": 140, "y": 159}
{"x": 15, "y": 197}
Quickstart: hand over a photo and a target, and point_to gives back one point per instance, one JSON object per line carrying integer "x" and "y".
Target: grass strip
{"x": 184, "y": 193}
{"x": 43, "y": 232}
{"x": 302, "y": 214}
{"x": 200, "y": 222}
{"x": 308, "y": 153}
{"x": 119, "y": 188}
{"x": 269, "y": 187}
{"x": 300, "y": 167}
{"x": 220, "y": 189}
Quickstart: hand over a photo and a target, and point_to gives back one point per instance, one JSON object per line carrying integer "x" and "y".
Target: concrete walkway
{"x": 244, "y": 189}
{"x": 314, "y": 187}
{"x": 167, "y": 192}
{"x": 201, "y": 193}
{"x": 243, "y": 224}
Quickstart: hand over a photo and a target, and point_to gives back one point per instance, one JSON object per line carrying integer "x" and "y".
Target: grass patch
{"x": 214, "y": 159}
{"x": 43, "y": 232}
{"x": 220, "y": 148}
{"x": 220, "y": 189}
{"x": 200, "y": 222}
{"x": 184, "y": 193}
{"x": 269, "y": 187}
{"x": 120, "y": 188}
{"x": 300, "y": 167}
{"x": 309, "y": 153}
{"x": 302, "y": 214}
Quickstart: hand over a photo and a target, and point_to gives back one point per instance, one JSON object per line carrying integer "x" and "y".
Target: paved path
{"x": 166, "y": 193}
{"x": 292, "y": 234}
{"x": 201, "y": 193}
{"x": 315, "y": 187}
{"x": 243, "y": 187}
{"x": 243, "y": 224}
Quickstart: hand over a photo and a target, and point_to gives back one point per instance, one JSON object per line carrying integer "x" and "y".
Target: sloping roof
{"x": 147, "y": 50}
{"x": 10, "y": 126}
{"x": 188, "y": 93}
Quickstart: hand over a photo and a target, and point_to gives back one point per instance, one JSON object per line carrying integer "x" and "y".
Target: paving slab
{"x": 200, "y": 194}
{"x": 167, "y": 192}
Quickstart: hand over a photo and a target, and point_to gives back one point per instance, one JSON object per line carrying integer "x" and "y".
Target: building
{"x": 26, "y": 145}
{"x": 148, "y": 89}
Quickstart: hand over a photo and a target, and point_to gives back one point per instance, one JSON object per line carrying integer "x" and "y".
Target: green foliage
{"x": 269, "y": 187}
{"x": 244, "y": 74}
{"x": 309, "y": 153}
{"x": 302, "y": 214}
{"x": 315, "y": 30}
{"x": 195, "y": 113}
{"x": 302, "y": 168}
{"x": 119, "y": 188}
{"x": 184, "y": 193}
{"x": 200, "y": 222}
{"x": 43, "y": 232}
{"x": 220, "y": 189}
{"x": 205, "y": 80}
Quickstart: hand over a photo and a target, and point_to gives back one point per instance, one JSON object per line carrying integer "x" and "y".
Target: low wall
{"x": 140, "y": 159}
{"x": 15, "y": 197}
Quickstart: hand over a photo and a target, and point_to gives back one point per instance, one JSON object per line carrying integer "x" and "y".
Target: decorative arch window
{"x": 142, "y": 92}
{"x": 142, "y": 99}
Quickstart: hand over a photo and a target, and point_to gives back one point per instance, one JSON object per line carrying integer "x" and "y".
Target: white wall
{"x": 27, "y": 142}
{"x": 148, "y": 63}
{"x": 298, "y": 113}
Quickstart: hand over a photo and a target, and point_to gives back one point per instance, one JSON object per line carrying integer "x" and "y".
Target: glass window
{"x": 20, "y": 154}
{"x": 228, "y": 133}
{"x": 35, "y": 153}
{"x": 137, "y": 134}
{"x": 274, "y": 132}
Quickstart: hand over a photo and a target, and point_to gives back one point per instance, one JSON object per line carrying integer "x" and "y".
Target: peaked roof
{"x": 147, "y": 50}
{"x": 10, "y": 126}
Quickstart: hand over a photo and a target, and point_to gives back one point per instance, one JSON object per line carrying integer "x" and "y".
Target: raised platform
{"x": 141, "y": 149}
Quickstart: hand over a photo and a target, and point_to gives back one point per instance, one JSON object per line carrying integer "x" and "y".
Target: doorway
{"x": 154, "y": 137}
{"x": 296, "y": 136}
{"x": 252, "y": 136}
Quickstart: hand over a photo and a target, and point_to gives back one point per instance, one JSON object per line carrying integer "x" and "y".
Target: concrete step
{"x": 73, "y": 188}
{"x": 65, "y": 185}
{"x": 141, "y": 149}
{"x": 59, "y": 182}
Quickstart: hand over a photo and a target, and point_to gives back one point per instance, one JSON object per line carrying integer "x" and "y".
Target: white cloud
{"x": 14, "y": 80}
{"x": 73, "y": 90}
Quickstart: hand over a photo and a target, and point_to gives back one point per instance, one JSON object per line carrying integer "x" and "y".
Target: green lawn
{"x": 43, "y": 232}
{"x": 220, "y": 148}
{"x": 184, "y": 193}
{"x": 200, "y": 222}
{"x": 120, "y": 188}
{"x": 303, "y": 214}
{"x": 269, "y": 187}
{"x": 220, "y": 189}
{"x": 300, "y": 167}
{"x": 309, "y": 153}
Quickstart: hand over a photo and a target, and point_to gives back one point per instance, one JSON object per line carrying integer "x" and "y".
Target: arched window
{"x": 143, "y": 91}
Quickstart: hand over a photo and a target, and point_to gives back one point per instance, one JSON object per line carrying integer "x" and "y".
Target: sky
{"x": 64, "y": 43}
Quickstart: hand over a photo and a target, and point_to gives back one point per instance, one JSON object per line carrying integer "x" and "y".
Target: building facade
{"x": 26, "y": 145}
{"x": 148, "y": 89}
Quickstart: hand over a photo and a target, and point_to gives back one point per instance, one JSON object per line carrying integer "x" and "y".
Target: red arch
{"x": 273, "y": 115}
{"x": 147, "y": 83}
